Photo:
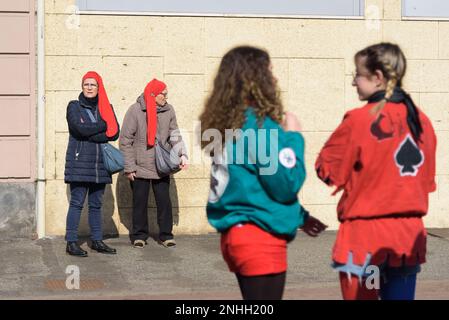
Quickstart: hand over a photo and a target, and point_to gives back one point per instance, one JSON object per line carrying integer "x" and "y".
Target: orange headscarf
{"x": 104, "y": 107}
{"x": 153, "y": 88}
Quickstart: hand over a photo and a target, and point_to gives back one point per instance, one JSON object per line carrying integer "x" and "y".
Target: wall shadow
{"x": 125, "y": 204}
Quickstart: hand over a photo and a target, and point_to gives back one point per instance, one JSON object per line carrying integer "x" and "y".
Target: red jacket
{"x": 378, "y": 165}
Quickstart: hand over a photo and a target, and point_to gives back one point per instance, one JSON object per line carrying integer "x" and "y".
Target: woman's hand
{"x": 313, "y": 227}
{"x": 130, "y": 175}
{"x": 291, "y": 122}
{"x": 184, "y": 163}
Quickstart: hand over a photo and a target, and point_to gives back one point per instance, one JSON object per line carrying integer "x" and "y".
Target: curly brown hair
{"x": 243, "y": 79}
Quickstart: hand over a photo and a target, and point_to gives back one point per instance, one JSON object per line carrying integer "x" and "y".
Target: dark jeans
{"x": 398, "y": 287}
{"x": 141, "y": 190}
{"x": 78, "y": 191}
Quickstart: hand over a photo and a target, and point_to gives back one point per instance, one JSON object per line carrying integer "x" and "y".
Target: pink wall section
{"x": 17, "y": 39}
{"x": 16, "y": 158}
{"x": 17, "y": 91}
{"x": 15, "y": 76}
{"x": 16, "y": 5}
{"x": 15, "y": 116}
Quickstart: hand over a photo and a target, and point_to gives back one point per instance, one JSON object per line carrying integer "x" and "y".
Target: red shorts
{"x": 250, "y": 251}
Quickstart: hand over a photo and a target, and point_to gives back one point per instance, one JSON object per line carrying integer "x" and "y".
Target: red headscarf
{"x": 105, "y": 108}
{"x": 153, "y": 88}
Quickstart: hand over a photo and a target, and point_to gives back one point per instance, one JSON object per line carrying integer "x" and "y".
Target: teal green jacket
{"x": 257, "y": 178}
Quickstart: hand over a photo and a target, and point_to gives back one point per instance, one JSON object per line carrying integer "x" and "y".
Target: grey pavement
{"x": 193, "y": 270}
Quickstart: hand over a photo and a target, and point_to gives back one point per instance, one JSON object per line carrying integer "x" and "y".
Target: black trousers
{"x": 141, "y": 191}
{"x": 264, "y": 287}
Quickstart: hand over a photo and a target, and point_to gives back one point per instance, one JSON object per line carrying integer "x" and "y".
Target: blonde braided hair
{"x": 390, "y": 60}
{"x": 391, "y": 84}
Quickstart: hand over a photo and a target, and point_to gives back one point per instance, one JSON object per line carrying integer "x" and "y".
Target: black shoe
{"x": 74, "y": 249}
{"x": 100, "y": 246}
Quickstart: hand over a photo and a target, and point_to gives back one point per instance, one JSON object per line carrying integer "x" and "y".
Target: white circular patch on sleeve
{"x": 219, "y": 177}
{"x": 287, "y": 157}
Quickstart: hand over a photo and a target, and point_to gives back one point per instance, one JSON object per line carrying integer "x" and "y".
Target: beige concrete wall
{"x": 312, "y": 59}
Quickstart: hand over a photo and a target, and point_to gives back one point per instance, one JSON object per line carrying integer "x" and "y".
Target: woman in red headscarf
{"x": 91, "y": 121}
{"x": 151, "y": 118}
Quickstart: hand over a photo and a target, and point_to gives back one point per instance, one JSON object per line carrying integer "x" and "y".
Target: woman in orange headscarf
{"x": 149, "y": 121}
{"x": 91, "y": 121}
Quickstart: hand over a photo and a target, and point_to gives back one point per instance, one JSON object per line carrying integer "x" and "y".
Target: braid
{"x": 391, "y": 84}
{"x": 392, "y": 81}
{"x": 390, "y": 59}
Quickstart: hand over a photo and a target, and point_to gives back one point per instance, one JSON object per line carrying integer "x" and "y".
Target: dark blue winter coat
{"x": 84, "y": 159}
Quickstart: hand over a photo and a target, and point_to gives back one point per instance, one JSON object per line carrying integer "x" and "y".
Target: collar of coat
{"x": 84, "y": 103}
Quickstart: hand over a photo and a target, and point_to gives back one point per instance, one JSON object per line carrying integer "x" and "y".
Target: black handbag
{"x": 167, "y": 162}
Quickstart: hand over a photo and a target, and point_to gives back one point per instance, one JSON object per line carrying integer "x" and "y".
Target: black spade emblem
{"x": 377, "y": 131}
{"x": 408, "y": 157}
